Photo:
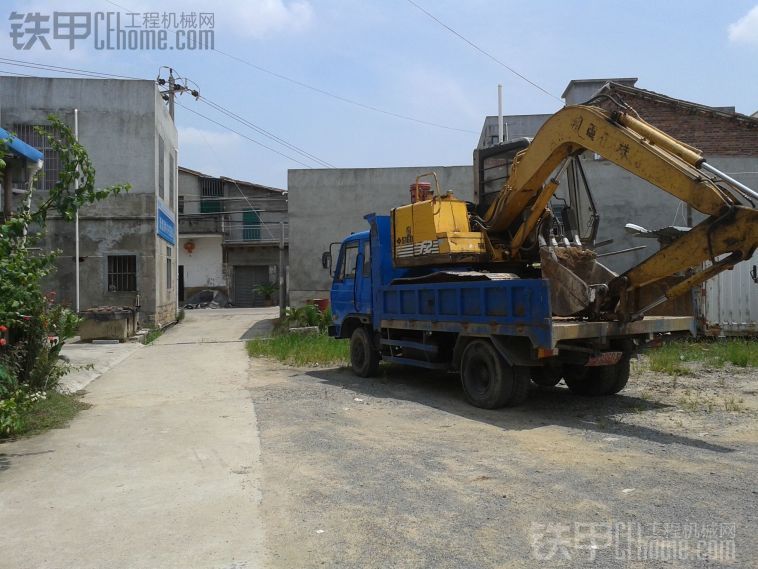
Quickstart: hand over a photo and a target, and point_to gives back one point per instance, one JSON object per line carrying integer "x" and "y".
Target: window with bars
{"x": 169, "y": 274}
{"x": 28, "y": 133}
{"x": 161, "y": 168}
{"x": 210, "y": 190}
{"x": 171, "y": 178}
{"x": 122, "y": 273}
{"x": 181, "y": 204}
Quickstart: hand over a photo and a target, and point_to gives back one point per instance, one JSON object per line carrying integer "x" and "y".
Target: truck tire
{"x": 600, "y": 381}
{"x": 487, "y": 379}
{"x": 364, "y": 359}
{"x": 546, "y": 376}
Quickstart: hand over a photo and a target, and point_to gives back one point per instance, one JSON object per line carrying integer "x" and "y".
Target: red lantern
{"x": 189, "y": 246}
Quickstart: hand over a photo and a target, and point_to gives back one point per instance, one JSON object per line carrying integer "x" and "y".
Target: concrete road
{"x": 162, "y": 472}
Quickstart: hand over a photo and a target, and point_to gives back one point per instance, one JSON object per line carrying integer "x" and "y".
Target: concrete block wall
{"x": 119, "y": 124}
{"x": 327, "y": 205}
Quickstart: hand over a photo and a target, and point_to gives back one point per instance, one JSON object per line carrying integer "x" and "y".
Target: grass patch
{"x": 53, "y": 412}
{"x": 301, "y": 349}
{"x": 670, "y": 357}
{"x": 153, "y": 335}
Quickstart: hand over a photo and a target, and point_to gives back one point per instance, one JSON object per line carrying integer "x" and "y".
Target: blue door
{"x": 344, "y": 285}
{"x": 363, "y": 278}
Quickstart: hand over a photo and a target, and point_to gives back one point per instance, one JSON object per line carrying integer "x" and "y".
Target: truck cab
{"x": 351, "y": 298}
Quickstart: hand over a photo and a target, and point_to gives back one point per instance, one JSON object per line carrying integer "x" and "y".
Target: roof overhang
{"x": 21, "y": 148}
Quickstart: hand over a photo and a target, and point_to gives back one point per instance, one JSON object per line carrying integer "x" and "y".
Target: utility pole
{"x": 282, "y": 292}
{"x": 171, "y": 92}
{"x": 76, "y": 223}
{"x": 172, "y": 86}
{"x": 500, "y": 113}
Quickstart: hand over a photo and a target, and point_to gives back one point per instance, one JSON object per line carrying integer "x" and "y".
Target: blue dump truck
{"x": 495, "y": 329}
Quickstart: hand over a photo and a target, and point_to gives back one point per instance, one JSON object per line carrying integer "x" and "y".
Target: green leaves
{"x": 31, "y": 356}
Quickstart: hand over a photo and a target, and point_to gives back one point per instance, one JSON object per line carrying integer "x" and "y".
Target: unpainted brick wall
{"x": 713, "y": 134}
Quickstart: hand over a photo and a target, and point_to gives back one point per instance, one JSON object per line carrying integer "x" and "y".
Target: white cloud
{"x": 745, "y": 30}
{"x": 211, "y": 140}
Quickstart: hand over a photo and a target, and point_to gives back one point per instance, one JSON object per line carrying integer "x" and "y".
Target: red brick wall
{"x": 713, "y": 134}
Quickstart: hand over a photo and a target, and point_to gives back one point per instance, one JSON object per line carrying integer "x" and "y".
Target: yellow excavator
{"x": 516, "y": 230}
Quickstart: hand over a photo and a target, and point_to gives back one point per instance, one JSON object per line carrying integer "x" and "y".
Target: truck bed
{"x": 518, "y": 307}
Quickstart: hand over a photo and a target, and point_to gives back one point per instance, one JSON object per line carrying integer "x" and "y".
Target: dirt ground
{"x": 399, "y": 471}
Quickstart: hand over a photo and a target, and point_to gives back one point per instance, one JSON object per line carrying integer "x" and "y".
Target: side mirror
{"x": 327, "y": 257}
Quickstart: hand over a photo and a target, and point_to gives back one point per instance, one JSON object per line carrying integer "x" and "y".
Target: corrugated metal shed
{"x": 729, "y": 302}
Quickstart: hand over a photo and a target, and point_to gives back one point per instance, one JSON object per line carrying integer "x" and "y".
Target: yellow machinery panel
{"x": 435, "y": 230}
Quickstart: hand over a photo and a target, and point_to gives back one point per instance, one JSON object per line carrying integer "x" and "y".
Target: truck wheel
{"x": 546, "y": 376}
{"x": 488, "y": 381}
{"x": 599, "y": 381}
{"x": 364, "y": 359}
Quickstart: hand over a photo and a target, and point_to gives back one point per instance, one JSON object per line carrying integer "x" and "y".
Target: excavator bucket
{"x": 575, "y": 278}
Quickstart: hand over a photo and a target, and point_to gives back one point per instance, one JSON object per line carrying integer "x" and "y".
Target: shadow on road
{"x": 545, "y": 406}
{"x": 260, "y": 329}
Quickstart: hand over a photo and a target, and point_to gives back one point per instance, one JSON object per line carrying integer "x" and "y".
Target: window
{"x": 251, "y": 226}
{"x": 169, "y": 275}
{"x": 366, "y": 259}
{"x": 171, "y": 178}
{"x": 122, "y": 273}
{"x": 349, "y": 259}
{"x": 161, "y": 168}
{"x": 181, "y": 204}
{"x": 51, "y": 170}
{"x": 210, "y": 191}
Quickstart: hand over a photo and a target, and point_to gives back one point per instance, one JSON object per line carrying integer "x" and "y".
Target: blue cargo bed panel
{"x": 519, "y": 307}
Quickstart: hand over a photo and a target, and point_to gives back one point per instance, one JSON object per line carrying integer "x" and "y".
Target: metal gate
{"x": 246, "y": 278}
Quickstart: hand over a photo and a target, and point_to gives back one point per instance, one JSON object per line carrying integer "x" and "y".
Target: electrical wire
{"x": 243, "y": 135}
{"x": 61, "y": 69}
{"x": 227, "y": 112}
{"x": 264, "y": 132}
{"x": 483, "y": 52}
{"x": 341, "y": 98}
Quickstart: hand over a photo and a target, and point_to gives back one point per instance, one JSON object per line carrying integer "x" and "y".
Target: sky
{"x": 389, "y": 55}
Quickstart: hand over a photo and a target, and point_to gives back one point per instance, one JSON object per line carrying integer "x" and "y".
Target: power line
{"x": 60, "y": 69}
{"x": 482, "y": 51}
{"x": 98, "y": 74}
{"x": 243, "y": 136}
{"x": 341, "y": 98}
{"x": 264, "y": 132}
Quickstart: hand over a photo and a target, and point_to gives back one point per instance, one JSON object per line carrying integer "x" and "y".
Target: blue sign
{"x": 165, "y": 226}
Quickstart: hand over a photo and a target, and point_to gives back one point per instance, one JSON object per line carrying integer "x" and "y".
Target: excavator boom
{"x": 513, "y": 225}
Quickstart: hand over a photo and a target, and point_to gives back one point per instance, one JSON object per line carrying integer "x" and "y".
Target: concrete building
{"x": 327, "y": 205}
{"x": 230, "y": 234}
{"x": 127, "y": 243}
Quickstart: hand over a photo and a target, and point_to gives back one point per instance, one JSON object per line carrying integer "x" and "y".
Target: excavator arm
{"x": 643, "y": 150}
{"x": 512, "y": 234}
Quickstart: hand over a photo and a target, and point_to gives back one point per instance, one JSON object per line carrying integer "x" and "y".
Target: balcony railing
{"x": 252, "y": 233}
{"x": 234, "y": 229}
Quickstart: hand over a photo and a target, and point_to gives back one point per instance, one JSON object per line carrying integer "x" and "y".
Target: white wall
{"x": 204, "y": 267}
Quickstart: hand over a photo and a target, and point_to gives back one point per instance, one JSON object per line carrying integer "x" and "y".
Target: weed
{"x": 153, "y": 335}
{"x": 52, "y": 410}
{"x": 670, "y": 357}
{"x": 301, "y": 349}
{"x": 735, "y": 405}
